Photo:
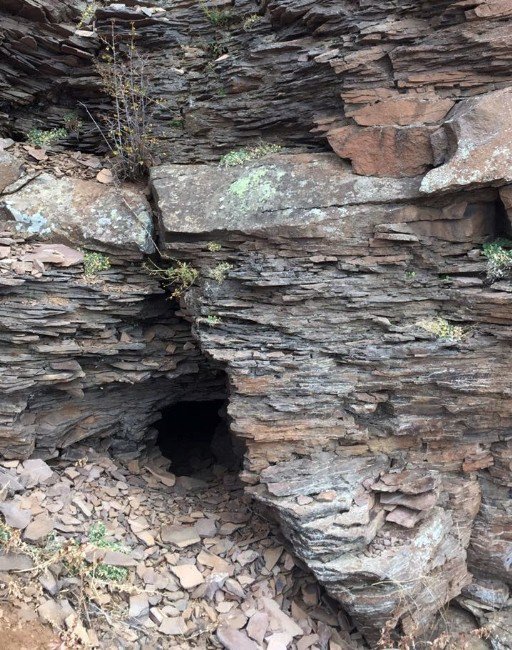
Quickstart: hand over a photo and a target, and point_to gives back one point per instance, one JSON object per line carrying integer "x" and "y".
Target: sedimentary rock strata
{"x": 368, "y": 437}
{"x": 345, "y": 294}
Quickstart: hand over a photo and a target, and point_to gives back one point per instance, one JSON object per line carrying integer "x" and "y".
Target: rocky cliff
{"x": 342, "y": 284}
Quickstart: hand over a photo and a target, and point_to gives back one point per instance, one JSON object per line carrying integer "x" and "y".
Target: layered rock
{"x": 384, "y": 73}
{"x": 368, "y": 437}
{"x": 85, "y": 353}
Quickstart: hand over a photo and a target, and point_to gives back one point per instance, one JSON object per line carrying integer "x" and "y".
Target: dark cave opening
{"x": 194, "y": 435}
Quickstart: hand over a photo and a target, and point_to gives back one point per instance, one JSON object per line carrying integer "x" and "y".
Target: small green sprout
{"x": 213, "y": 320}
{"x": 73, "y": 122}
{"x": 219, "y": 273}
{"x": 250, "y": 21}
{"x": 213, "y": 246}
{"x": 106, "y": 572}
{"x": 217, "y": 17}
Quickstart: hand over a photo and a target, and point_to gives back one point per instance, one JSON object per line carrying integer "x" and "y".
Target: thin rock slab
{"x": 233, "y": 639}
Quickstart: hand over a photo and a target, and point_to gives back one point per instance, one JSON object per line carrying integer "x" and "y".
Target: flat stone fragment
{"x": 40, "y": 527}
{"x": 15, "y": 562}
{"x": 188, "y": 575}
{"x": 14, "y": 516}
{"x": 206, "y": 527}
{"x": 180, "y": 536}
{"x": 9, "y": 483}
{"x": 34, "y": 472}
{"x": 279, "y": 641}
{"x": 279, "y": 620}
{"x": 233, "y": 639}
{"x": 139, "y": 606}
{"x": 172, "y": 626}
{"x": 257, "y": 626}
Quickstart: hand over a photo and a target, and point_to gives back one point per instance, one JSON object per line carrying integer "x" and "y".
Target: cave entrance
{"x": 194, "y": 435}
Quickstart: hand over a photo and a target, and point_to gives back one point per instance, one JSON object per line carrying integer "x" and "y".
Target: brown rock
{"x": 14, "y": 516}
{"x": 403, "y": 110}
{"x": 180, "y": 536}
{"x": 188, "y": 575}
{"x": 40, "y": 527}
{"x": 478, "y": 134}
{"x": 10, "y": 169}
{"x": 233, "y": 639}
{"x": 397, "y": 152}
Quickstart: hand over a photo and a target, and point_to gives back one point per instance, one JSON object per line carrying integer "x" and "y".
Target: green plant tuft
{"x": 220, "y": 272}
{"x": 250, "y": 21}
{"x": 39, "y": 138}
{"x": 182, "y": 276}
{"x": 73, "y": 122}
{"x": 217, "y": 17}
{"x": 94, "y": 263}
{"x": 213, "y": 246}
{"x": 241, "y": 156}
{"x": 499, "y": 259}
{"x": 213, "y": 320}
{"x": 441, "y": 328}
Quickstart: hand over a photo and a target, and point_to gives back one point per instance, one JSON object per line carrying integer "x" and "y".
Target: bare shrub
{"x": 127, "y": 128}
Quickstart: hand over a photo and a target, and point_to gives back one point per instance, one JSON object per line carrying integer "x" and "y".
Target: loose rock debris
{"x": 125, "y": 555}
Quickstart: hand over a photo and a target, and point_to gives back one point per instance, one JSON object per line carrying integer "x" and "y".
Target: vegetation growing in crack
{"x": 220, "y": 272}
{"x": 94, "y": 263}
{"x": 127, "y": 128}
{"x": 499, "y": 259}
{"x": 242, "y": 156}
{"x": 211, "y": 320}
{"x": 251, "y": 21}
{"x": 443, "y": 329}
{"x": 181, "y": 276}
{"x": 217, "y": 17}
{"x": 73, "y": 122}
{"x": 87, "y": 15}
{"x": 213, "y": 246}
{"x": 40, "y": 138}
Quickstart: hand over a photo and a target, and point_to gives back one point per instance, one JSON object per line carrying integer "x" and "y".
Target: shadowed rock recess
{"x": 342, "y": 286}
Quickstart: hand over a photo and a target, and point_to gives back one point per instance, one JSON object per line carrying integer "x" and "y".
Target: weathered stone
{"x": 478, "y": 151}
{"x": 384, "y": 150}
{"x": 14, "y": 516}
{"x": 81, "y": 212}
{"x": 180, "y": 536}
{"x": 188, "y": 575}
{"x": 233, "y": 639}
{"x": 403, "y": 110}
{"x": 139, "y": 606}
{"x": 10, "y": 169}
{"x": 39, "y": 527}
{"x": 34, "y": 472}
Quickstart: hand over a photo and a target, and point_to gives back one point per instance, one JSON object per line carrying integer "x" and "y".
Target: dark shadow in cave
{"x": 195, "y": 435}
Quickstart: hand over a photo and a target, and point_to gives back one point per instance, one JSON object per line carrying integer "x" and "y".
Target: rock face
{"x": 370, "y": 439}
{"x": 344, "y": 294}
{"x": 86, "y": 353}
{"x": 275, "y": 70}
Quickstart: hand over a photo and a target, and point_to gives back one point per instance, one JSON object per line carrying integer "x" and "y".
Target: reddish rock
{"x": 478, "y": 145}
{"x": 384, "y": 151}
{"x": 403, "y": 110}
